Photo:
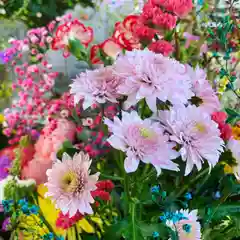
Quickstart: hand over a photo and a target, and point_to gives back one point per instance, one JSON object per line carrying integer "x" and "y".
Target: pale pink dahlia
{"x": 70, "y": 184}
{"x": 141, "y": 140}
{"x": 99, "y": 86}
{"x": 198, "y": 135}
{"x": 152, "y": 76}
{"x": 188, "y": 227}
{"x": 202, "y": 89}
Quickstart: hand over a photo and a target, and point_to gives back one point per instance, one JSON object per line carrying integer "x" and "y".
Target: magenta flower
{"x": 5, "y": 163}
{"x": 141, "y": 140}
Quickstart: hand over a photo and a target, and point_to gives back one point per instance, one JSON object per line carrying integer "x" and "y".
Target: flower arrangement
{"x": 139, "y": 144}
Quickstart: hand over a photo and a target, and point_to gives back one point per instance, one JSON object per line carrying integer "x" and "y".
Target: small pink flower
{"x": 141, "y": 140}
{"x": 189, "y": 38}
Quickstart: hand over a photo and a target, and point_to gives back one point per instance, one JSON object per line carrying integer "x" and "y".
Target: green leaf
{"x": 147, "y": 229}
{"x": 231, "y": 112}
{"x": 116, "y": 231}
{"x": 77, "y": 49}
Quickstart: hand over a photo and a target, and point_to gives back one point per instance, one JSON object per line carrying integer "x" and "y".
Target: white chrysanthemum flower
{"x": 98, "y": 86}
{"x": 141, "y": 140}
{"x": 196, "y": 133}
{"x": 70, "y": 184}
{"x": 152, "y": 76}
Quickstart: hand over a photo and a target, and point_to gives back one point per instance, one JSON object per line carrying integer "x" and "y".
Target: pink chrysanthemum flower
{"x": 141, "y": 140}
{"x": 202, "y": 89}
{"x": 99, "y": 86}
{"x": 234, "y": 146}
{"x": 188, "y": 228}
{"x": 70, "y": 184}
{"x": 152, "y": 76}
{"x": 198, "y": 135}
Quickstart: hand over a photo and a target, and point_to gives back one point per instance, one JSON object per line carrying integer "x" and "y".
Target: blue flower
{"x": 155, "y": 234}
{"x": 48, "y": 236}
{"x": 7, "y": 204}
{"x": 25, "y": 209}
{"x": 60, "y": 238}
{"x": 163, "y": 218}
{"x": 188, "y": 196}
{"x": 187, "y": 228}
{"x": 217, "y": 195}
{"x": 34, "y": 209}
{"x": 22, "y": 202}
{"x": 155, "y": 189}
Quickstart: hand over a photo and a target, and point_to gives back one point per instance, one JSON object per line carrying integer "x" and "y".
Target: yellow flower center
{"x": 200, "y": 127}
{"x": 69, "y": 182}
{"x": 146, "y": 133}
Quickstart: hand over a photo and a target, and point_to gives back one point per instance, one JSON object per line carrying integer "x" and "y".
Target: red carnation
{"x": 162, "y": 47}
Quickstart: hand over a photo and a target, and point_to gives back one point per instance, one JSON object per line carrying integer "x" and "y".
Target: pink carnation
{"x": 46, "y": 149}
{"x": 178, "y": 7}
{"x": 162, "y": 47}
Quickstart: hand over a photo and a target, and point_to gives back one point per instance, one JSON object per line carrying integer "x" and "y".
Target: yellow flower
{"x": 2, "y": 118}
{"x": 228, "y": 169}
{"x": 236, "y": 132}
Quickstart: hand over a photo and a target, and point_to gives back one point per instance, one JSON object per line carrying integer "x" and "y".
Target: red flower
{"x": 105, "y": 196}
{"x": 124, "y": 33}
{"x": 110, "y": 48}
{"x": 178, "y": 7}
{"x": 164, "y": 20}
{"x": 75, "y": 30}
{"x": 219, "y": 117}
{"x": 105, "y": 185}
{"x": 65, "y": 222}
{"x": 144, "y": 32}
{"x": 162, "y": 47}
{"x": 225, "y": 129}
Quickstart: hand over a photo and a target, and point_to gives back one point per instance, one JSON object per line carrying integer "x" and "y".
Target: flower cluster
{"x": 141, "y": 109}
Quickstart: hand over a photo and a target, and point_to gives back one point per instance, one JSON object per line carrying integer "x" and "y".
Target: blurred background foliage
{"x": 35, "y": 13}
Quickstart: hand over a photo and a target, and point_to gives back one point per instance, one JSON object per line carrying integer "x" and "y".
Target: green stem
{"x": 191, "y": 182}
{"x": 133, "y": 214}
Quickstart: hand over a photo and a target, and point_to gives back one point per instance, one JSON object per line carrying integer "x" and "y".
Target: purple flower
{"x": 4, "y": 165}
{"x": 5, "y": 56}
{"x": 6, "y": 224}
